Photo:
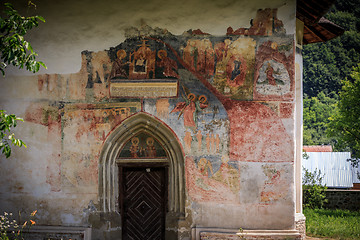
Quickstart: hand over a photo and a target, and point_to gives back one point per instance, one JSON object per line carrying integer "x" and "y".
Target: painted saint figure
{"x": 134, "y": 149}
{"x": 150, "y": 150}
{"x": 118, "y": 69}
{"x": 187, "y": 140}
{"x": 269, "y": 74}
{"x": 169, "y": 65}
{"x": 190, "y": 109}
{"x": 205, "y": 166}
{"x": 142, "y": 62}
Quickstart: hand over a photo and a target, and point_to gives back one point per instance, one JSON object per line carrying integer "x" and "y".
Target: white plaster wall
{"x": 74, "y": 26}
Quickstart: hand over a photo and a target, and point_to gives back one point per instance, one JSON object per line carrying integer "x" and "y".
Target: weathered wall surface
{"x": 97, "y": 25}
{"x": 228, "y": 98}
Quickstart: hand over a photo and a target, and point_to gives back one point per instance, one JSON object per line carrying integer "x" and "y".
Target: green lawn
{"x": 339, "y": 224}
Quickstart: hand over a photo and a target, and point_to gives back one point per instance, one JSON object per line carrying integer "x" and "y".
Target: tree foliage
{"x": 345, "y": 124}
{"x": 317, "y": 111}
{"x": 326, "y": 64}
{"x": 15, "y": 50}
{"x": 7, "y": 122}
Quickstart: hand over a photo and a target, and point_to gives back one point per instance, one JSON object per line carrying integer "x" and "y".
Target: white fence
{"x": 337, "y": 171}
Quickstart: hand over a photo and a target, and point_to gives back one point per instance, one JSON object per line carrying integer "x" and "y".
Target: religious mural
{"x": 190, "y": 108}
{"x": 224, "y": 97}
{"x": 142, "y": 146}
{"x": 274, "y": 77}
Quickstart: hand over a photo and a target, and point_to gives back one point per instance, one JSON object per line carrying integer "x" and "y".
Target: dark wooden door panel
{"x": 143, "y": 203}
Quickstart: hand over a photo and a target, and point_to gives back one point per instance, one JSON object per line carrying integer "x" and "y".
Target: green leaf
{"x": 14, "y": 49}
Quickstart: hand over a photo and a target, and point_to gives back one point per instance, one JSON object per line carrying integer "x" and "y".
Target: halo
{"x": 274, "y": 45}
{"x": 162, "y": 53}
{"x": 202, "y": 99}
{"x": 121, "y": 54}
{"x": 191, "y": 97}
{"x": 135, "y": 141}
{"x": 150, "y": 141}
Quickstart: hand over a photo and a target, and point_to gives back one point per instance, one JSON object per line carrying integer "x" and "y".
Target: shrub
{"x": 313, "y": 191}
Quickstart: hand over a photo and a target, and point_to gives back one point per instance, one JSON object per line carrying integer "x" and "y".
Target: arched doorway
{"x": 116, "y": 164}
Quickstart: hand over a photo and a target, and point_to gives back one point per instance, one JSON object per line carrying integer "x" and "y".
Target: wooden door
{"x": 143, "y": 202}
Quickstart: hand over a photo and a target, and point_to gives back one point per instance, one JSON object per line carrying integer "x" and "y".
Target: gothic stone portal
{"x": 143, "y": 188}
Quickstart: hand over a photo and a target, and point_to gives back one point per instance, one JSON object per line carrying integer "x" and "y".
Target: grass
{"x": 338, "y": 224}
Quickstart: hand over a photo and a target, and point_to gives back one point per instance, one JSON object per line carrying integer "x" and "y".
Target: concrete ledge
{"x": 57, "y": 233}
{"x": 269, "y": 234}
{"x": 200, "y": 233}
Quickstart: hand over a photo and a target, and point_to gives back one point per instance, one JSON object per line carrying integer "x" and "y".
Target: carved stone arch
{"x": 108, "y": 170}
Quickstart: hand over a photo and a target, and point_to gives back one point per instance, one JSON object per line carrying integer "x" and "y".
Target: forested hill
{"x": 325, "y": 66}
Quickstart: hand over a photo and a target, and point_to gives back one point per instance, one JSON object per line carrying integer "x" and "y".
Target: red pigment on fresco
{"x": 89, "y": 121}
{"x": 199, "y": 56}
{"x": 286, "y": 110}
{"x": 264, "y": 24}
{"x": 198, "y": 32}
{"x": 49, "y": 116}
{"x": 269, "y": 51}
{"x": 87, "y": 171}
{"x": 257, "y": 134}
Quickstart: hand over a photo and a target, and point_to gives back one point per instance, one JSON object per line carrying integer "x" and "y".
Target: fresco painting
{"x": 118, "y": 68}
{"x": 85, "y": 175}
{"x": 274, "y": 77}
{"x": 142, "y": 146}
{"x": 168, "y": 65}
{"x": 231, "y": 98}
{"x": 265, "y": 23}
{"x": 142, "y": 62}
{"x": 200, "y": 56}
{"x": 162, "y": 108}
{"x": 234, "y": 67}
{"x": 190, "y": 108}
{"x": 81, "y": 121}
{"x": 208, "y": 116}
{"x": 274, "y": 188}
{"x": 198, "y": 144}
{"x": 203, "y": 187}
{"x": 214, "y": 125}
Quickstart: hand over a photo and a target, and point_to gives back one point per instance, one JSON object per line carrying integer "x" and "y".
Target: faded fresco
{"x": 226, "y": 98}
{"x": 199, "y": 85}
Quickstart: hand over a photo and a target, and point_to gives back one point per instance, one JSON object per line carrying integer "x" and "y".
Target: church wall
{"x": 226, "y": 93}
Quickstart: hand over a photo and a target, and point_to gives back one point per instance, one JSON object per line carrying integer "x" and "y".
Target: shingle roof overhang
{"x": 316, "y": 27}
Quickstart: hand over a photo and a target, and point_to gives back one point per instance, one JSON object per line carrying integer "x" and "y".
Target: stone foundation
{"x": 221, "y": 234}
{"x": 343, "y": 199}
{"x": 300, "y": 224}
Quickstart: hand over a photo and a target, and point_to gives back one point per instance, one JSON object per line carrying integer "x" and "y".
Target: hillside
{"x": 325, "y": 66}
